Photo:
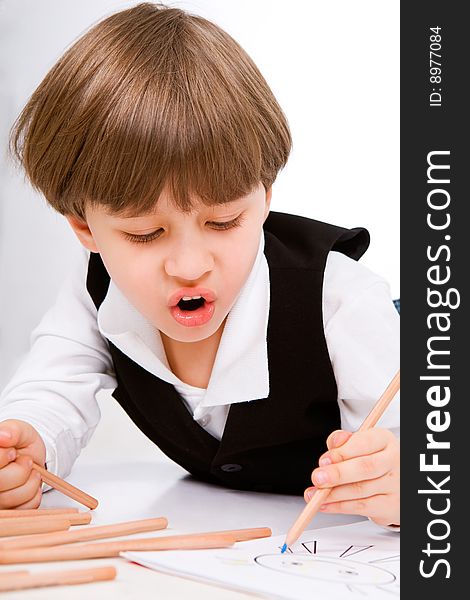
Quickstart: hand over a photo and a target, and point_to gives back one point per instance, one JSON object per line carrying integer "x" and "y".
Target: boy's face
{"x": 210, "y": 251}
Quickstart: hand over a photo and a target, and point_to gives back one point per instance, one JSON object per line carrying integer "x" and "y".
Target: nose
{"x": 189, "y": 260}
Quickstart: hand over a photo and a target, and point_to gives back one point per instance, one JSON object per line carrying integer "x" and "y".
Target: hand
{"x": 20, "y": 445}
{"x": 363, "y": 470}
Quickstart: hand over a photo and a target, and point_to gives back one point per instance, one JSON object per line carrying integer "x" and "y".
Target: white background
{"x": 334, "y": 68}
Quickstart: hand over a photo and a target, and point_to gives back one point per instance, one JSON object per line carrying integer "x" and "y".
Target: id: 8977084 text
{"x": 435, "y": 66}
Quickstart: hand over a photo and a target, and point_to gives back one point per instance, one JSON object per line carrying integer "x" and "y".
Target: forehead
{"x": 165, "y": 208}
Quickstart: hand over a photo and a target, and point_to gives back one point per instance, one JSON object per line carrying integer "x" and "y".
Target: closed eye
{"x": 142, "y": 239}
{"x": 227, "y": 224}
{"x": 153, "y": 235}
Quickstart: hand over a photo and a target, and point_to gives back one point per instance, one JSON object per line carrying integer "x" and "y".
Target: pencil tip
{"x": 284, "y": 548}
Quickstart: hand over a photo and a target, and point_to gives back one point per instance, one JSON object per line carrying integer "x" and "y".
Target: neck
{"x": 192, "y": 362}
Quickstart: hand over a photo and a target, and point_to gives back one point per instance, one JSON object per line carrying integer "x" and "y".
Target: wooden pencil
{"x": 7, "y": 513}
{"x": 320, "y": 496}
{"x": 243, "y": 535}
{"x": 28, "y": 526}
{"x": 196, "y": 541}
{"x": 79, "y": 518}
{"x": 85, "y": 535}
{"x": 15, "y": 572}
{"x": 65, "y": 487}
{"x": 22, "y": 581}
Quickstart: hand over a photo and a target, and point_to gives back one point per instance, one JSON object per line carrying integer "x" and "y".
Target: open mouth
{"x": 193, "y": 312}
{"x": 192, "y": 304}
{"x": 192, "y": 307}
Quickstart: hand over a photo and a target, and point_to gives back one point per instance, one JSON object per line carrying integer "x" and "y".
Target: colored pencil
{"x": 112, "y": 549}
{"x": 194, "y": 541}
{"x": 28, "y": 526}
{"x": 16, "y": 572}
{"x": 9, "y": 523}
{"x": 320, "y": 496}
{"x": 7, "y": 513}
{"x": 22, "y": 581}
{"x": 84, "y": 535}
{"x": 66, "y": 488}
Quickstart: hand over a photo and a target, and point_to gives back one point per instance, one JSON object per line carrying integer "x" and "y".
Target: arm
{"x": 55, "y": 387}
{"x": 362, "y": 333}
{"x": 362, "y": 330}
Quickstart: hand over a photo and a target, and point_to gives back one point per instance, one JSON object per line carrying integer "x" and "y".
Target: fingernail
{"x": 5, "y": 434}
{"x": 310, "y": 495}
{"x": 336, "y": 438}
{"x": 321, "y": 477}
{"x": 11, "y": 454}
{"x": 325, "y": 461}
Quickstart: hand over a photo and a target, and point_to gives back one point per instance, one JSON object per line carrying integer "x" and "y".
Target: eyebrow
{"x": 156, "y": 214}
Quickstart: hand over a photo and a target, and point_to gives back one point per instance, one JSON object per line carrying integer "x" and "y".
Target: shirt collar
{"x": 240, "y": 371}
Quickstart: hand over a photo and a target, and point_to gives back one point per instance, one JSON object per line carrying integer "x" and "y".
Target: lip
{"x": 206, "y": 293}
{"x": 196, "y": 318}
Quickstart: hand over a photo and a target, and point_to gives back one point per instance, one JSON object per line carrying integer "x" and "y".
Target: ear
{"x": 269, "y": 193}
{"x": 83, "y": 232}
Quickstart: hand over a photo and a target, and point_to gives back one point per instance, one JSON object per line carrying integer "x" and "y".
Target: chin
{"x": 191, "y": 334}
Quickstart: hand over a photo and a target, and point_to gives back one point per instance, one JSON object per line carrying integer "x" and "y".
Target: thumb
{"x": 16, "y": 433}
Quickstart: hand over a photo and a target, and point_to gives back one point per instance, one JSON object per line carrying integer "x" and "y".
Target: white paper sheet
{"x": 336, "y": 563}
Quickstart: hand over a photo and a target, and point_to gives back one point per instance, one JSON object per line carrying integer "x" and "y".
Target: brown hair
{"x": 151, "y": 98}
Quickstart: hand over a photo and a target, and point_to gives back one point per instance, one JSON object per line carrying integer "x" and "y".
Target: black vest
{"x": 270, "y": 444}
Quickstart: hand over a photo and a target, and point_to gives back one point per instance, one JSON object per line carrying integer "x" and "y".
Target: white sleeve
{"x": 362, "y": 330}
{"x": 55, "y": 387}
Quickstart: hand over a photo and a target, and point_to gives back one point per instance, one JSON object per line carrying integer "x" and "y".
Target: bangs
{"x": 151, "y": 99}
{"x": 167, "y": 135}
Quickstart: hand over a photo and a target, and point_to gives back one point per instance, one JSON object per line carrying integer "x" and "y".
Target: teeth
{"x": 191, "y": 297}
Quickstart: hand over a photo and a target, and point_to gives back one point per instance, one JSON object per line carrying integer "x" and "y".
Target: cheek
{"x": 141, "y": 275}
{"x": 134, "y": 285}
{"x": 240, "y": 255}
{"x": 133, "y": 272}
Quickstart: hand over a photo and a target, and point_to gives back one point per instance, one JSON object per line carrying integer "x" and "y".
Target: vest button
{"x": 203, "y": 421}
{"x": 229, "y": 468}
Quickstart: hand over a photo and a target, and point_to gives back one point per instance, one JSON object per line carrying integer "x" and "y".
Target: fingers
{"x": 308, "y": 494}
{"x": 356, "y": 469}
{"x": 357, "y": 444}
{"x": 34, "y": 502}
{"x": 17, "y": 434}
{"x": 365, "y": 455}
{"x": 23, "y": 494}
{"x": 337, "y": 438}
{"x": 16, "y": 473}
{"x": 388, "y": 484}
{"x": 383, "y": 509}
{"x": 362, "y": 471}
{"x": 6, "y": 456}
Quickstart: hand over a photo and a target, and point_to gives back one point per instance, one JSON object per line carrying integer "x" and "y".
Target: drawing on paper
{"x": 333, "y": 564}
{"x": 342, "y": 563}
{"x": 320, "y": 561}
{"x": 334, "y": 570}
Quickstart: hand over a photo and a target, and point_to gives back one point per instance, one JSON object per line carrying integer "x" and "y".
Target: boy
{"x": 235, "y": 338}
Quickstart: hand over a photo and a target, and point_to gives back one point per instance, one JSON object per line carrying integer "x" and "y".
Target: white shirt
{"x": 55, "y": 387}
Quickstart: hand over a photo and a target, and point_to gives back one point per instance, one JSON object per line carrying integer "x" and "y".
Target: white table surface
{"x": 152, "y": 488}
